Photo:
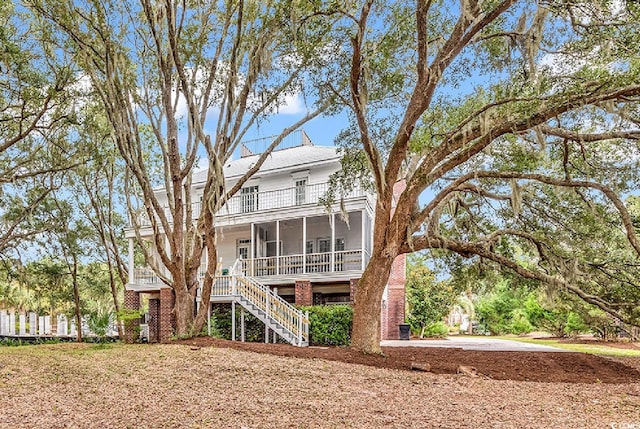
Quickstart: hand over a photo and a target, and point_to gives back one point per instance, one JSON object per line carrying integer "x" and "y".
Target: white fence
{"x": 32, "y": 324}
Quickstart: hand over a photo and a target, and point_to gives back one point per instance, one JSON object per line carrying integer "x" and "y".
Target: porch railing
{"x": 146, "y": 276}
{"x": 266, "y": 200}
{"x": 344, "y": 260}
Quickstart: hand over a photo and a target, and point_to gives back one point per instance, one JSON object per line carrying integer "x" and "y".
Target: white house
{"x": 277, "y": 233}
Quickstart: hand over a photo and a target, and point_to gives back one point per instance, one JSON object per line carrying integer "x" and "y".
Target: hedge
{"x": 330, "y": 325}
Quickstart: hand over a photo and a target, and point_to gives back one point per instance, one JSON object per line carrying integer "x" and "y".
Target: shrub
{"x": 99, "y": 322}
{"x": 575, "y": 324}
{"x": 519, "y": 322}
{"x": 221, "y": 324}
{"x": 436, "y": 330}
{"x": 330, "y": 325}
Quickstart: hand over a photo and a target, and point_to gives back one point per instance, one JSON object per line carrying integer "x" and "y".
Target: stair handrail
{"x": 299, "y": 328}
{"x": 235, "y": 270}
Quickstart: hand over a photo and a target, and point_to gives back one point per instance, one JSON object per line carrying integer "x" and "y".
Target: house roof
{"x": 294, "y": 158}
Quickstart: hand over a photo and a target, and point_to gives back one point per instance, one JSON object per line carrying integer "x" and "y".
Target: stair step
{"x": 272, "y": 323}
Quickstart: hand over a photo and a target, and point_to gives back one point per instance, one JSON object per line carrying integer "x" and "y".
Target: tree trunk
{"x": 183, "y": 311}
{"x": 366, "y": 316}
{"x": 76, "y": 299}
{"x": 472, "y": 313}
{"x": 114, "y": 294}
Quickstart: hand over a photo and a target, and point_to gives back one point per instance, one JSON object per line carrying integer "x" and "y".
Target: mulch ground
{"x": 518, "y": 366}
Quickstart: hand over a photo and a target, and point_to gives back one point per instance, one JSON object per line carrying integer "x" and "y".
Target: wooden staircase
{"x": 278, "y": 315}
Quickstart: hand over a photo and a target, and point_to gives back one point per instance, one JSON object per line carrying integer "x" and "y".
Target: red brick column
{"x": 131, "y": 325}
{"x": 303, "y": 292}
{"x": 394, "y": 307}
{"x": 353, "y": 285}
{"x": 167, "y": 318}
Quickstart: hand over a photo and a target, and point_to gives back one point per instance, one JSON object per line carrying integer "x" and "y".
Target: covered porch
{"x": 324, "y": 247}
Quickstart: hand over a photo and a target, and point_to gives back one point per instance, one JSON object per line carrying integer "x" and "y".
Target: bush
{"x": 519, "y": 322}
{"x": 436, "y": 330}
{"x": 330, "y": 325}
{"x": 575, "y": 325}
{"x": 221, "y": 324}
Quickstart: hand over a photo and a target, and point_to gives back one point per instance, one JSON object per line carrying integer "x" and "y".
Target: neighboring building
{"x": 284, "y": 239}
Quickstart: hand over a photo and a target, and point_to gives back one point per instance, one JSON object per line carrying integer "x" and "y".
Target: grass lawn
{"x": 599, "y": 348}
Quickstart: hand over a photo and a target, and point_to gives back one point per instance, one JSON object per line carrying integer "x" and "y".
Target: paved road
{"x": 474, "y": 343}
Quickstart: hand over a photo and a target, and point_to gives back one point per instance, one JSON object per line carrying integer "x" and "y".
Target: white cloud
{"x": 292, "y": 105}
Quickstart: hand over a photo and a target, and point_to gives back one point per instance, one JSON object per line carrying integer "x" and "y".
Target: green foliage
{"x": 221, "y": 324}
{"x": 575, "y": 324}
{"x": 429, "y": 300}
{"x": 99, "y": 322}
{"x": 500, "y": 310}
{"x": 519, "y": 322}
{"x": 436, "y": 330}
{"x": 330, "y": 325}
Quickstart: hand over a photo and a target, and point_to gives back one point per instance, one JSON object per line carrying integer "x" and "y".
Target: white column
{"x": 252, "y": 253}
{"x": 266, "y": 327}
{"x": 62, "y": 325}
{"x": 277, "y": 247}
{"x": 275, "y": 336}
{"x": 12, "y": 323}
{"x": 47, "y": 325}
{"x": 3, "y": 323}
{"x": 131, "y": 263}
{"x": 242, "y": 324}
{"x": 304, "y": 244}
{"x": 33, "y": 323}
{"x": 73, "y": 329}
{"x": 23, "y": 324}
{"x": 333, "y": 242}
{"x": 233, "y": 320}
{"x": 363, "y": 232}
{"x": 41, "y": 329}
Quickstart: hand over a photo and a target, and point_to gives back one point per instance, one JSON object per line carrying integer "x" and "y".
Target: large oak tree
{"x": 182, "y": 81}
{"x": 510, "y": 122}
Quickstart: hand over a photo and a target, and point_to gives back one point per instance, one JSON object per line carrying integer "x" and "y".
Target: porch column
{"x": 131, "y": 263}
{"x": 252, "y": 253}
{"x": 278, "y": 247}
{"x": 233, "y": 320}
{"x": 242, "y": 324}
{"x": 333, "y": 242}
{"x": 303, "y": 292}
{"x": 394, "y": 313}
{"x": 304, "y": 244}
{"x": 362, "y": 238}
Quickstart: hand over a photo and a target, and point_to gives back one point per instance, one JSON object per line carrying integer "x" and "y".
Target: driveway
{"x": 474, "y": 343}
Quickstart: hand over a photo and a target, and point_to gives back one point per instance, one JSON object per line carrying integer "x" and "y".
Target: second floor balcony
{"x": 251, "y": 200}
{"x": 281, "y": 268}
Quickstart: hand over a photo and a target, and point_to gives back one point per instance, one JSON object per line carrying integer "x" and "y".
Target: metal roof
{"x": 294, "y": 158}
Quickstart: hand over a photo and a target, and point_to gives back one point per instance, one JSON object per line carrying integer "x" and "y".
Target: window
{"x": 324, "y": 245}
{"x": 301, "y": 191}
{"x": 309, "y": 247}
{"x": 243, "y": 248}
{"x": 271, "y": 248}
{"x": 249, "y": 199}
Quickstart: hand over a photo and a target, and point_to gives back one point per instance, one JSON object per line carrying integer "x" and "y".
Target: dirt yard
{"x": 519, "y": 366}
{"x": 211, "y": 385}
